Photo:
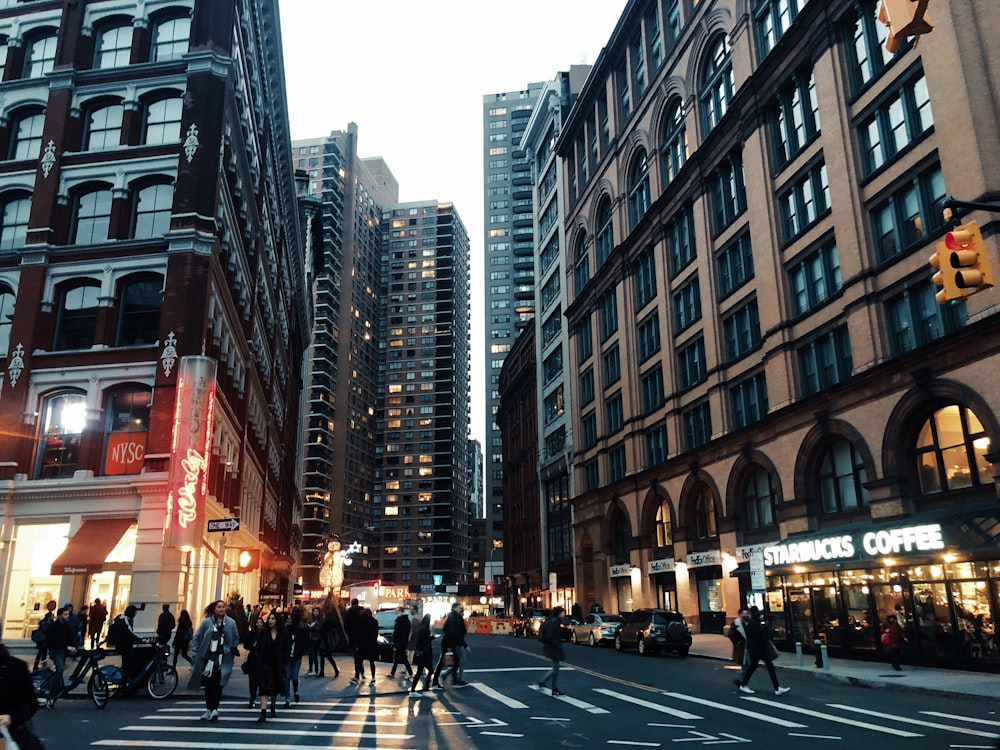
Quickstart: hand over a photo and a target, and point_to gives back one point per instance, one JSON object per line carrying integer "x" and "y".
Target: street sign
{"x": 758, "y": 579}
{"x": 224, "y": 524}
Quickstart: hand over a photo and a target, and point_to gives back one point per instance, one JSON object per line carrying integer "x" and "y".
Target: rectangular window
{"x": 552, "y": 367}
{"x": 587, "y": 387}
{"x": 748, "y": 401}
{"x": 612, "y": 367}
{"x": 609, "y": 314}
{"x": 649, "y": 337}
{"x": 772, "y": 20}
{"x": 616, "y": 463}
{"x": 644, "y": 274}
{"x": 916, "y": 319}
{"x": 805, "y": 201}
{"x": 551, "y": 327}
{"x": 735, "y": 265}
{"x": 656, "y": 446}
{"x": 697, "y": 422}
{"x": 554, "y": 404}
{"x": 624, "y": 92}
{"x": 901, "y": 223}
{"x": 651, "y": 385}
{"x": 585, "y": 339}
{"x": 591, "y": 476}
{"x": 614, "y": 414}
{"x": 741, "y": 331}
{"x": 729, "y": 198}
{"x": 895, "y": 124}
{"x": 687, "y": 305}
{"x": 589, "y": 427}
{"x": 868, "y": 56}
{"x": 691, "y": 364}
{"x": 815, "y": 279}
{"x": 680, "y": 238}
{"x": 795, "y": 117}
{"x": 825, "y": 361}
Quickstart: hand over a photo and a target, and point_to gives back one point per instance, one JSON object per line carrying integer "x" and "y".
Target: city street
{"x": 611, "y": 700}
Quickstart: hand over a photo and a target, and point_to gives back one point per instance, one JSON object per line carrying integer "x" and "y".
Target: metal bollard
{"x": 820, "y": 653}
{"x": 826, "y": 659}
{"x": 798, "y": 654}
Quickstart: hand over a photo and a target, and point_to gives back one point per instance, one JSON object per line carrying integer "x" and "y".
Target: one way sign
{"x": 224, "y": 524}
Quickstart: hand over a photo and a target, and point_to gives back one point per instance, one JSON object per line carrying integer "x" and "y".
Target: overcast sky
{"x": 412, "y": 75}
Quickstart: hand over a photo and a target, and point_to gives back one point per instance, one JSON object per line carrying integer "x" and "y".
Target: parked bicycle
{"x": 158, "y": 677}
{"x": 49, "y": 688}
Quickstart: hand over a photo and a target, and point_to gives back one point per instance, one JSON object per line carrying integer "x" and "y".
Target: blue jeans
{"x": 292, "y": 669}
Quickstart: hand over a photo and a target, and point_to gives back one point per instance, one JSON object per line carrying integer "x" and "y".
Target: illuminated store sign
{"x": 190, "y": 448}
{"x": 870, "y": 544}
{"x": 665, "y": 565}
{"x": 704, "y": 559}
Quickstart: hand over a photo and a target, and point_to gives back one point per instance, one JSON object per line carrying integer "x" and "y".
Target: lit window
{"x": 64, "y": 416}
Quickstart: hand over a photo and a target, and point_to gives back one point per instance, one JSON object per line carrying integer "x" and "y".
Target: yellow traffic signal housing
{"x": 968, "y": 257}
{"x": 905, "y": 18}
{"x": 943, "y": 275}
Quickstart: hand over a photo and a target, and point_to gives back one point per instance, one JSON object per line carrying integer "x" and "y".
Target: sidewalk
{"x": 977, "y": 685}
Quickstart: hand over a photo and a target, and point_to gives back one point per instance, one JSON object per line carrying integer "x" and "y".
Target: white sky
{"x": 412, "y": 75}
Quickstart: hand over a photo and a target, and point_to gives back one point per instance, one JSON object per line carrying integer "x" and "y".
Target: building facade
{"x": 753, "y": 193}
{"x": 154, "y": 318}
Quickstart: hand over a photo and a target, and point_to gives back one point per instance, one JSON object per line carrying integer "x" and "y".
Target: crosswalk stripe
{"x": 647, "y": 704}
{"x": 180, "y": 745}
{"x": 279, "y": 719}
{"x": 915, "y": 722}
{"x": 589, "y": 707}
{"x": 498, "y": 696}
{"x": 831, "y": 717}
{"x": 213, "y": 727}
{"x": 737, "y": 710}
{"x": 957, "y": 717}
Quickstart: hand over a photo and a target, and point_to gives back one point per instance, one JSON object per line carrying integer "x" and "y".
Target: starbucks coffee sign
{"x": 906, "y": 540}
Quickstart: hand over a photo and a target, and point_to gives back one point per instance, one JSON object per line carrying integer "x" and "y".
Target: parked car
{"x": 386, "y": 619}
{"x": 652, "y": 630}
{"x": 596, "y": 628}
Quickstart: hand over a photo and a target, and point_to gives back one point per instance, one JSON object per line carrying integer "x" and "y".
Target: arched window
{"x": 92, "y": 217}
{"x": 705, "y": 525}
{"x": 663, "y": 526}
{"x": 104, "y": 128}
{"x": 40, "y": 56}
{"x": 64, "y": 417}
{"x": 162, "y": 121}
{"x": 621, "y": 538}
{"x": 170, "y": 38}
{"x": 77, "y": 318}
{"x": 638, "y": 190}
{"x": 718, "y": 87}
{"x": 674, "y": 147}
{"x": 14, "y": 222}
{"x": 759, "y": 497}
{"x": 581, "y": 265}
{"x": 113, "y": 48}
{"x": 842, "y": 477}
{"x": 951, "y": 451}
{"x": 139, "y": 311}
{"x": 153, "y": 204}
{"x": 605, "y": 232}
{"x": 128, "y": 412}
{"x": 7, "y": 300}
{"x": 26, "y": 142}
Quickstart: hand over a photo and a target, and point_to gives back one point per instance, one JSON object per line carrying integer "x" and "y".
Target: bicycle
{"x": 88, "y": 665}
{"x": 159, "y": 678}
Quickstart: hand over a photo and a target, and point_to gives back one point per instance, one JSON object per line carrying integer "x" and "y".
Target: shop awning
{"x": 90, "y": 546}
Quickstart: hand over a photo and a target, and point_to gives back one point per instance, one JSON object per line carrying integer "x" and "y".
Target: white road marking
{"x": 174, "y": 744}
{"x": 589, "y": 707}
{"x": 633, "y": 743}
{"x": 957, "y": 717}
{"x": 498, "y": 696}
{"x": 670, "y": 726}
{"x": 648, "y": 704}
{"x": 502, "y": 734}
{"x": 737, "y": 710}
{"x": 816, "y": 736}
{"x": 212, "y": 727}
{"x": 832, "y": 717}
{"x": 915, "y": 722}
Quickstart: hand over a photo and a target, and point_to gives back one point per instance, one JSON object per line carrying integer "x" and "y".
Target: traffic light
{"x": 249, "y": 559}
{"x": 905, "y": 18}
{"x": 489, "y": 588}
{"x": 961, "y": 263}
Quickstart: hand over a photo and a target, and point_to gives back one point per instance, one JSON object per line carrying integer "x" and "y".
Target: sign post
{"x": 223, "y": 525}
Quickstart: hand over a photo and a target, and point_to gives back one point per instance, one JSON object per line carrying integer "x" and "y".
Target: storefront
{"x": 621, "y": 586}
{"x": 706, "y": 572}
{"x": 663, "y": 580}
{"x": 938, "y": 572}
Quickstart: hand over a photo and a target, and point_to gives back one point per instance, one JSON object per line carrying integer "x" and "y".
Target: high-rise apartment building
{"x": 509, "y": 265}
{"x": 153, "y": 309}
{"x": 753, "y": 192}
{"x": 421, "y": 505}
{"x": 344, "y": 263}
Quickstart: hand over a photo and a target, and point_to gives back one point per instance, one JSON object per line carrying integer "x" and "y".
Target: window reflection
{"x": 951, "y": 451}
{"x": 63, "y": 419}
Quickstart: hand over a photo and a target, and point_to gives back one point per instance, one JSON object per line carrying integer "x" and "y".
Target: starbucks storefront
{"x": 938, "y": 572}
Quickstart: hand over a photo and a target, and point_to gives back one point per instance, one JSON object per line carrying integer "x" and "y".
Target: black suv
{"x": 652, "y": 630}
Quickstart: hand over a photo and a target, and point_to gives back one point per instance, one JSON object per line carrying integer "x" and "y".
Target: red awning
{"x": 88, "y": 548}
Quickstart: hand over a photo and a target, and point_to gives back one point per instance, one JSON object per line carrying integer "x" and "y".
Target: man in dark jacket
{"x": 759, "y": 647}
{"x": 122, "y": 636}
{"x": 17, "y": 696}
{"x": 400, "y": 642}
{"x": 453, "y": 638}
{"x": 165, "y": 625}
{"x": 61, "y": 641}
{"x": 552, "y": 646}
{"x": 352, "y": 624}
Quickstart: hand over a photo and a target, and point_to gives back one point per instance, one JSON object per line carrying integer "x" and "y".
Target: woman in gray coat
{"x": 215, "y": 644}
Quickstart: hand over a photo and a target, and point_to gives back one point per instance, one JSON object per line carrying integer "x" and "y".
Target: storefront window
{"x": 975, "y": 619}
{"x": 30, "y": 583}
{"x": 933, "y": 619}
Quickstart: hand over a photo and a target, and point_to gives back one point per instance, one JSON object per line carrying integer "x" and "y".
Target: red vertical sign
{"x": 190, "y": 448}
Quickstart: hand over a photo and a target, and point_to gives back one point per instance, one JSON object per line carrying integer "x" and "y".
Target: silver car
{"x": 596, "y": 628}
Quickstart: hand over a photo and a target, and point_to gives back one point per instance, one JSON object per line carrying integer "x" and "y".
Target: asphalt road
{"x": 611, "y": 700}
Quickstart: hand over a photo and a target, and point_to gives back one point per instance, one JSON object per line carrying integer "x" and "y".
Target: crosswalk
{"x": 497, "y": 715}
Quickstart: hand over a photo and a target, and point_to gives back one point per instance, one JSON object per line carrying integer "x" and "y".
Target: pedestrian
{"x": 297, "y": 635}
{"x": 165, "y": 624}
{"x": 315, "y": 639}
{"x": 415, "y": 620}
{"x": 892, "y": 640}
{"x": 759, "y": 646}
{"x": 84, "y": 617}
{"x": 17, "y": 699}
{"x": 74, "y": 626}
{"x": 423, "y": 654}
{"x": 352, "y": 619}
{"x": 183, "y": 637}
{"x": 400, "y": 641}
{"x": 123, "y": 639}
{"x": 42, "y": 646}
{"x": 62, "y": 642}
{"x": 366, "y": 645}
{"x": 738, "y": 635}
{"x": 250, "y": 666}
{"x": 215, "y": 644}
{"x": 453, "y": 640}
{"x": 550, "y": 634}
{"x": 331, "y": 639}
{"x": 270, "y": 647}
{"x": 97, "y": 616}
